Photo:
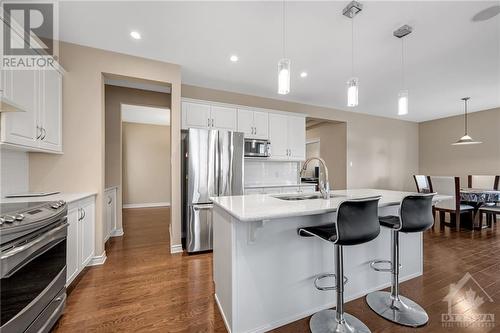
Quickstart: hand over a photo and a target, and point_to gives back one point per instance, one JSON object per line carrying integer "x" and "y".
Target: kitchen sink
{"x": 299, "y": 197}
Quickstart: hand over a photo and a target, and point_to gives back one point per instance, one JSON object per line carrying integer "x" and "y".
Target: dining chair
{"x": 423, "y": 184}
{"x": 450, "y": 186}
{"x": 488, "y": 183}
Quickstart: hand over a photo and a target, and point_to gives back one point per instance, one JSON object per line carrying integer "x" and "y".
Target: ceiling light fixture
{"x": 135, "y": 35}
{"x": 400, "y": 33}
{"x": 233, "y": 58}
{"x": 350, "y": 11}
{"x": 284, "y": 63}
{"x": 466, "y": 139}
{"x": 303, "y": 74}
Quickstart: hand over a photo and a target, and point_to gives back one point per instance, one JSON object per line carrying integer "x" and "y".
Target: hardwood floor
{"x": 143, "y": 288}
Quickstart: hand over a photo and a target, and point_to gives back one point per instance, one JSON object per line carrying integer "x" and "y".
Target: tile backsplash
{"x": 13, "y": 172}
{"x": 271, "y": 173}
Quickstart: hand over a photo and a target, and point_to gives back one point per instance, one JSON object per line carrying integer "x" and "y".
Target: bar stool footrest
{"x": 375, "y": 265}
{"x": 327, "y": 275}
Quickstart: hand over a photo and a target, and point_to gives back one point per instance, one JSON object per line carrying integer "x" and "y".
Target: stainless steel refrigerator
{"x": 213, "y": 166}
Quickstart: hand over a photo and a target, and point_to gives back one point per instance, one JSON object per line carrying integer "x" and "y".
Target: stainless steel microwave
{"x": 257, "y": 148}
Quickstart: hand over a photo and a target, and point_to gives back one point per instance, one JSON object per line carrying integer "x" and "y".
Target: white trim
{"x": 137, "y": 85}
{"x": 98, "y": 260}
{"x": 116, "y": 233}
{"x": 222, "y": 313}
{"x": 147, "y": 204}
{"x": 176, "y": 248}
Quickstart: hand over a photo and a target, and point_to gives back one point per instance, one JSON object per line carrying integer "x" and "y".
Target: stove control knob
{"x": 55, "y": 205}
{"x": 61, "y": 203}
{"x": 2, "y": 220}
{"x": 9, "y": 218}
{"x": 19, "y": 217}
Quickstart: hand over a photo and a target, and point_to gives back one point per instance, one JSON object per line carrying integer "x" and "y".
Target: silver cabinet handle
{"x": 212, "y": 122}
{"x": 255, "y": 128}
{"x": 79, "y": 214}
{"x": 200, "y": 207}
{"x": 44, "y": 133}
{"x": 39, "y": 132}
{"x": 110, "y": 200}
{"x": 84, "y": 213}
{"x": 208, "y": 122}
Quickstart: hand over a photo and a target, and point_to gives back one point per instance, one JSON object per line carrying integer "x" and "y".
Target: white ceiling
{"x": 448, "y": 54}
{"x": 145, "y": 115}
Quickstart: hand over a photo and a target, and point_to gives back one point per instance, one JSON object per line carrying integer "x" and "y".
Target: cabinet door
{"x": 86, "y": 233}
{"x": 51, "y": 110}
{"x": 224, "y": 118}
{"x": 72, "y": 246}
{"x": 278, "y": 136}
{"x": 261, "y": 124}
{"x": 21, "y": 86}
{"x": 297, "y": 137}
{"x": 195, "y": 115}
{"x": 245, "y": 122}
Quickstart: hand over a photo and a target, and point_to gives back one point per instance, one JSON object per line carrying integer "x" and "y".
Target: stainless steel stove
{"x": 32, "y": 265}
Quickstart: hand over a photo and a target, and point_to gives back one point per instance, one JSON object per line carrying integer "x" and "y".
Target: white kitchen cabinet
{"x": 296, "y": 138}
{"x": 223, "y": 118}
{"x": 39, "y": 94}
{"x": 278, "y": 136}
{"x": 110, "y": 205}
{"x": 86, "y": 231}
{"x": 80, "y": 240}
{"x": 254, "y": 124}
{"x": 50, "y": 114}
{"x": 195, "y": 115}
{"x": 287, "y": 135}
{"x": 72, "y": 246}
{"x": 200, "y": 115}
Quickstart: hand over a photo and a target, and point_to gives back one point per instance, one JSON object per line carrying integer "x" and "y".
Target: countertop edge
{"x": 68, "y": 197}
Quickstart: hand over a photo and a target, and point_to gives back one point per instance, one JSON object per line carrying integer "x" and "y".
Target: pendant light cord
{"x": 403, "y": 63}
{"x": 465, "y": 116}
{"x": 352, "y": 46}
{"x": 283, "y": 18}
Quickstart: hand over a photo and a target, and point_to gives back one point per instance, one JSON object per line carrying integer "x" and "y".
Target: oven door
{"x": 33, "y": 273}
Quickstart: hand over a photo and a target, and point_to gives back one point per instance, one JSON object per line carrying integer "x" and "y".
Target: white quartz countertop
{"x": 280, "y": 185}
{"x": 257, "y": 207}
{"x": 68, "y": 197}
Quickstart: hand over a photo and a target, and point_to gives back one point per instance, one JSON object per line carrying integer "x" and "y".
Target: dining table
{"x": 478, "y": 198}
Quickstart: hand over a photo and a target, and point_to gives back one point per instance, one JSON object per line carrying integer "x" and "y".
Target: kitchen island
{"x": 264, "y": 272}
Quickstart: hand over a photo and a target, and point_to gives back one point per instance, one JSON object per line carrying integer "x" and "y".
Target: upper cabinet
{"x": 39, "y": 94}
{"x": 254, "y": 124}
{"x": 287, "y": 135}
{"x": 199, "y": 115}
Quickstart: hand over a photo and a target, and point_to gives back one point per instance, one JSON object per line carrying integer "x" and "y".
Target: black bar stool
{"x": 356, "y": 223}
{"x": 415, "y": 215}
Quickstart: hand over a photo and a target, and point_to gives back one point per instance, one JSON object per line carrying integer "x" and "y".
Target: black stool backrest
{"x": 357, "y": 221}
{"x": 416, "y": 213}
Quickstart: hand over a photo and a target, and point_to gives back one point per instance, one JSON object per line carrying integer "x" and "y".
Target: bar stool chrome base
{"x": 404, "y": 311}
{"x": 325, "y": 322}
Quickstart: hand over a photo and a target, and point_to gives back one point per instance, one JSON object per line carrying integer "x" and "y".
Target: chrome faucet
{"x": 324, "y": 185}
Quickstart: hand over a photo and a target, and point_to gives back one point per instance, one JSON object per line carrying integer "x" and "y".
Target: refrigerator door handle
{"x": 201, "y": 207}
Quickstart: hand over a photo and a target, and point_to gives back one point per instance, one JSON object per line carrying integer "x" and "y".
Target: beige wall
{"x": 81, "y": 167}
{"x": 383, "y": 151}
{"x": 146, "y": 163}
{"x": 333, "y": 149}
{"x": 114, "y": 97}
{"x": 438, "y": 157}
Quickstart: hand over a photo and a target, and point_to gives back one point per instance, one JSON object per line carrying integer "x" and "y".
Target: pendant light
{"x": 350, "y": 11}
{"x": 284, "y": 63}
{"x": 400, "y": 33}
{"x": 466, "y": 139}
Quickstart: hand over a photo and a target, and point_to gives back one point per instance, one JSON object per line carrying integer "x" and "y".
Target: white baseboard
{"x": 98, "y": 260}
{"x": 176, "y": 248}
{"x": 116, "y": 233}
{"x": 147, "y": 205}
{"x": 226, "y": 323}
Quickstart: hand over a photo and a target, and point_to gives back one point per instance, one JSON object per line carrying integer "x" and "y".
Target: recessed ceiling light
{"x": 135, "y": 35}
{"x": 303, "y": 74}
{"x": 233, "y": 58}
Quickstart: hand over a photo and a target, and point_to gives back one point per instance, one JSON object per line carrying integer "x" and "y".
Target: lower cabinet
{"x": 110, "y": 217}
{"x": 80, "y": 240}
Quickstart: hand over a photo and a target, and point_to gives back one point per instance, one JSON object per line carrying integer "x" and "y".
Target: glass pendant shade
{"x": 284, "y": 76}
{"x": 352, "y": 92}
{"x": 403, "y": 102}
